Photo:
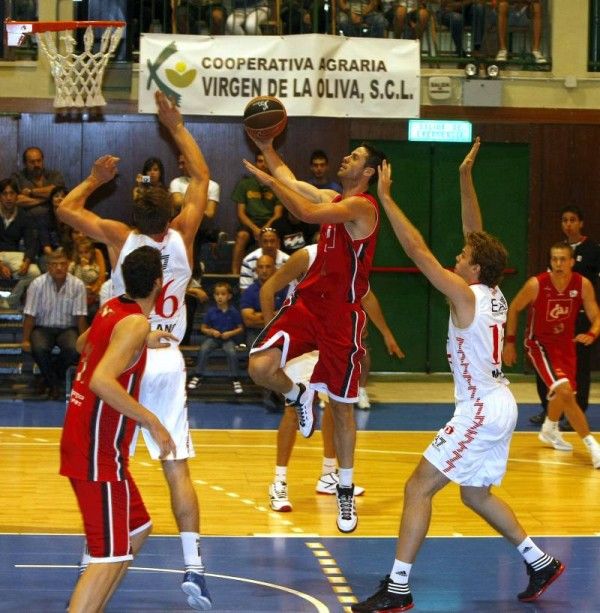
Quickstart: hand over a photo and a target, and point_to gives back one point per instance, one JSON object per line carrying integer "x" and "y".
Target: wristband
{"x": 590, "y": 333}
{"x": 510, "y": 338}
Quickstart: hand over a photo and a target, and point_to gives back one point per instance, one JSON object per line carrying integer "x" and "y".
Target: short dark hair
{"x": 140, "y": 270}
{"x": 318, "y": 154}
{"x": 563, "y": 247}
{"x": 374, "y": 160}
{"x": 31, "y": 149}
{"x": 490, "y": 254}
{"x": 224, "y": 285}
{"x": 572, "y": 208}
{"x": 152, "y": 210}
{"x": 6, "y": 182}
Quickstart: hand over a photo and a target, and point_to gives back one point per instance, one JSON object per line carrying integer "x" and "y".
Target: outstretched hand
{"x": 262, "y": 144}
{"x": 469, "y": 160}
{"x": 264, "y": 177}
{"x": 105, "y": 168}
{"x": 168, "y": 113}
{"x": 384, "y": 180}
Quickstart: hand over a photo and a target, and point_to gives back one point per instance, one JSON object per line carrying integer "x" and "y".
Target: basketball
{"x": 264, "y": 117}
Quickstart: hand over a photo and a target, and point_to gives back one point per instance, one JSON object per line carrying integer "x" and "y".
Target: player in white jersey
{"x": 163, "y": 383}
{"x": 472, "y": 448}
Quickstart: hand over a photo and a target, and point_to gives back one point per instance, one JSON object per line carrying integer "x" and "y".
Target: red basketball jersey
{"x": 95, "y": 440}
{"x": 552, "y": 315}
{"x": 340, "y": 272}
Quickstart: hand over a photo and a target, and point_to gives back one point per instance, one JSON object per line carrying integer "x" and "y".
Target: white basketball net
{"x": 78, "y": 77}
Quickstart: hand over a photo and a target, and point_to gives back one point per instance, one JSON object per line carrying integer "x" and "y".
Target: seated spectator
{"x": 515, "y": 14}
{"x": 295, "y": 234}
{"x": 54, "y": 314}
{"x": 257, "y": 207}
{"x": 152, "y": 175}
{"x": 53, "y": 233}
{"x": 456, "y": 14}
{"x": 250, "y": 300}
{"x": 88, "y": 264}
{"x": 268, "y": 245}
{"x": 247, "y": 16}
{"x": 361, "y": 18}
{"x": 407, "y": 18}
{"x": 221, "y": 325}
{"x": 16, "y": 227}
{"x": 319, "y": 169}
{"x": 190, "y": 13}
{"x": 295, "y": 17}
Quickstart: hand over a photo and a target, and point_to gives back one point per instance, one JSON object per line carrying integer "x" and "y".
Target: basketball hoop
{"x": 77, "y": 76}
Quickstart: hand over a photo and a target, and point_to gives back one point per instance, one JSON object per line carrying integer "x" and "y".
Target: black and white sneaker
{"x": 540, "y": 580}
{"x": 304, "y": 405}
{"x": 391, "y": 597}
{"x": 347, "y": 518}
{"x": 194, "y": 382}
{"x": 237, "y": 388}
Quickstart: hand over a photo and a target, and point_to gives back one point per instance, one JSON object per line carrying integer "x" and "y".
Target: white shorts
{"x": 163, "y": 392}
{"x": 472, "y": 448}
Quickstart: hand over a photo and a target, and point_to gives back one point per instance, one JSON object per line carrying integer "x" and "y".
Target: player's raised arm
{"x": 469, "y": 204}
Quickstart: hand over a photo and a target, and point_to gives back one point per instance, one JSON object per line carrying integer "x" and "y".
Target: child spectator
{"x": 221, "y": 324}
{"x": 88, "y": 265}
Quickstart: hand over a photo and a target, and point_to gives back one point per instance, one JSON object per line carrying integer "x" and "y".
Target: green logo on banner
{"x": 178, "y": 77}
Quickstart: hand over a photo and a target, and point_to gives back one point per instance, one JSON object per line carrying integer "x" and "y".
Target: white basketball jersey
{"x": 169, "y": 311}
{"x": 475, "y": 353}
{"x": 312, "y": 256}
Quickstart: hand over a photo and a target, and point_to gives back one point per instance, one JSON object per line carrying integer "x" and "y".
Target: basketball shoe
{"x": 391, "y": 597}
{"x": 278, "y": 494}
{"x": 327, "y": 484}
{"x": 347, "y": 518}
{"x": 304, "y": 405}
{"x": 363, "y": 399}
{"x": 553, "y": 437}
{"x": 540, "y": 580}
{"x": 194, "y": 586}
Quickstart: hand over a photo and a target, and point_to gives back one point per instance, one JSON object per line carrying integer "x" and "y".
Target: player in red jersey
{"x": 101, "y": 418}
{"x": 325, "y": 312}
{"x": 554, "y": 299}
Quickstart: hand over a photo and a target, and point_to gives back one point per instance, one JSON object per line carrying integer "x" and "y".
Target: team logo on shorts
{"x": 438, "y": 441}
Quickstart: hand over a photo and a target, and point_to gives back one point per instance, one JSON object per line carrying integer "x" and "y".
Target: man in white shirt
{"x": 269, "y": 245}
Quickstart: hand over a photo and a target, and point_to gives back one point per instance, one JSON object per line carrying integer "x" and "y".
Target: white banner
{"x": 315, "y": 75}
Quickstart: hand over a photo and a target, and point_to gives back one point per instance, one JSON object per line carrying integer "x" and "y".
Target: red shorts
{"x": 556, "y": 364}
{"x": 112, "y": 511}
{"x": 336, "y": 333}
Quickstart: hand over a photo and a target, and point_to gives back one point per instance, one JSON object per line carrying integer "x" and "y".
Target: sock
{"x": 281, "y": 473}
{"x": 549, "y": 424}
{"x": 329, "y": 465}
{"x": 292, "y": 395}
{"x": 589, "y": 441}
{"x": 190, "y": 542}
{"x": 346, "y": 475}
{"x": 531, "y": 552}
{"x": 85, "y": 560}
{"x": 400, "y": 572}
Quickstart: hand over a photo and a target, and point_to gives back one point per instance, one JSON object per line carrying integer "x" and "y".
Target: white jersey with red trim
{"x": 169, "y": 311}
{"x": 475, "y": 352}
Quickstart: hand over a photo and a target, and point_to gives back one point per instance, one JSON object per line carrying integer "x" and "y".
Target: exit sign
{"x": 440, "y": 131}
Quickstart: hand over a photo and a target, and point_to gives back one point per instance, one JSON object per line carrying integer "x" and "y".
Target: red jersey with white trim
{"x": 340, "y": 272}
{"x": 553, "y": 313}
{"x": 95, "y": 439}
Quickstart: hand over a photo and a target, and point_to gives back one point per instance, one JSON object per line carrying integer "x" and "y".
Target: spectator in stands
{"x": 456, "y": 14}
{"x": 55, "y": 233}
{"x": 319, "y": 169}
{"x": 407, "y": 18}
{"x": 295, "y": 234}
{"x": 190, "y": 14}
{"x": 35, "y": 182}
{"x": 520, "y": 13}
{"x": 361, "y": 18}
{"x": 16, "y": 227}
{"x": 295, "y": 17}
{"x": 194, "y": 294}
{"x": 221, "y": 325}
{"x": 268, "y": 245}
{"x": 257, "y": 207}
{"x": 152, "y": 175}
{"x": 54, "y": 314}
{"x": 250, "y": 300}
{"x": 89, "y": 265}
{"x": 247, "y": 17}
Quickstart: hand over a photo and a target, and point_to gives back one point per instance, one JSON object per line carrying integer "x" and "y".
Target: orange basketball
{"x": 264, "y": 117}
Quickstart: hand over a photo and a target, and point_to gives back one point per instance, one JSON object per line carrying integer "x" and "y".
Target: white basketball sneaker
{"x": 327, "y": 484}
{"x": 363, "y": 399}
{"x": 554, "y": 438}
{"x": 347, "y": 519}
{"x": 278, "y": 494}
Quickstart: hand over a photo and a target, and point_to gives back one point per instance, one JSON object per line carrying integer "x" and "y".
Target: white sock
{"x": 400, "y": 572}
{"x": 549, "y": 424}
{"x": 281, "y": 473}
{"x": 329, "y": 465}
{"x": 293, "y": 393}
{"x": 530, "y": 551}
{"x": 589, "y": 441}
{"x": 190, "y": 542}
{"x": 346, "y": 475}
{"x": 85, "y": 560}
